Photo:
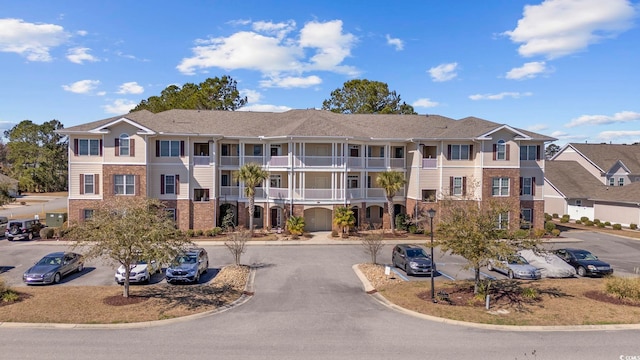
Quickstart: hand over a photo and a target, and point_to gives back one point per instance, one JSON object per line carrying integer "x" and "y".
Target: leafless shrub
{"x": 236, "y": 243}
{"x": 373, "y": 244}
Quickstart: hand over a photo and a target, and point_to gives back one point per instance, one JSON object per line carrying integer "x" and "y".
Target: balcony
{"x": 201, "y": 160}
{"x": 230, "y": 160}
{"x": 397, "y": 163}
{"x": 354, "y": 193}
{"x": 254, "y": 159}
{"x": 282, "y": 161}
{"x": 375, "y": 162}
{"x": 355, "y": 162}
{"x": 229, "y": 191}
{"x": 278, "y": 193}
{"x": 319, "y": 161}
{"x": 429, "y": 163}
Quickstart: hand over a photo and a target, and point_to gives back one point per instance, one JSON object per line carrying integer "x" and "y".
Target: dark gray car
{"x": 412, "y": 259}
{"x": 51, "y": 268}
{"x": 188, "y": 267}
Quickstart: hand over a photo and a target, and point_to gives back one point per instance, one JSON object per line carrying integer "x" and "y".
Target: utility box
{"x": 56, "y": 219}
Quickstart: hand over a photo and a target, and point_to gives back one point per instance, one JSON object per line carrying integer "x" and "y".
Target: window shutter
{"x": 533, "y": 185}
{"x": 132, "y": 147}
{"x": 472, "y": 155}
{"x": 181, "y": 148}
{"x": 117, "y": 147}
{"x": 521, "y": 187}
{"x": 177, "y": 185}
{"x": 464, "y": 186}
{"x": 75, "y": 147}
{"x": 162, "y": 184}
{"x": 81, "y": 215}
{"x": 81, "y": 184}
{"x": 506, "y": 149}
{"x": 538, "y": 148}
{"x": 495, "y": 151}
{"x": 100, "y": 147}
{"x": 448, "y": 152}
{"x": 451, "y": 185}
{"x": 137, "y": 184}
{"x": 157, "y": 148}
{"x": 96, "y": 184}
{"x": 175, "y": 215}
{"x": 113, "y": 184}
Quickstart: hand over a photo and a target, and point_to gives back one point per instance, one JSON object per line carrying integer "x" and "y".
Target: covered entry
{"x": 317, "y": 219}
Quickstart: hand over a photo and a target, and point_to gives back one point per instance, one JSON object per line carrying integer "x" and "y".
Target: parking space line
{"x": 400, "y": 275}
{"x": 445, "y": 275}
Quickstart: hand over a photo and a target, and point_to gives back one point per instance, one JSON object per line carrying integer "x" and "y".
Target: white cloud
{"x": 119, "y": 106}
{"x": 537, "y": 127}
{"x": 620, "y": 136}
{"x": 253, "y": 97}
{"x": 82, "y": 86}
{"x": 425, "y": 103}
{"x": 528, "y": 71}
{"x": 275, "y": 54}
{"x": 557, "y": 28}
{"x": 130, "y": 88}
{"x": 264, "y": 108}
{"x": 33, "y": 41}
{"x": 291, "y": 82}
{"x": 499, "y": 96}
{"x": 560, "y": 135}
{"x": 443, "y": 72}
{"x": 397, "y": 43}
{"x": 79, "y": 54}
{"x": 82, "y": 32}
{"x": 620, "y": 117}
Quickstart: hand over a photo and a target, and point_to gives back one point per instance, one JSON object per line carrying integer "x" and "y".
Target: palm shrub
{"x": 295, "y": 225}
{"x": 391, "y": 182}
{"x": 252, "y": 175}
{"x": 344, "y": 218}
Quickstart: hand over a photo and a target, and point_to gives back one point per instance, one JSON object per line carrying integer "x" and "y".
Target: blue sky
{"x": 564, "y": 68}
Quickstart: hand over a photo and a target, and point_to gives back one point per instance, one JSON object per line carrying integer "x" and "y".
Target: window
{"x": 368, "y": 181}
{"x": 529, "y": 152}
{"x": 169, "y": 148}
{"x": 500, "y": 187}
{"x": 501, "y": 150}
{"x": 87, "y": 214}
{"x": 459, "y": 152}
{"x": 201, "y": 149}
{"x": 169, "y": 184}
{"x": 527, "y": 186}
{"x": 578, "y": 202}
{"x": 201, "y": 194}
{"x": 525, "y": 218}
{"x": 224, "y": 180}
{"x": 612, "y": 182}
{"x": 354, "y": 150}
{"x": 429, "y": 195}
{"x": 88, "y": 147}
{"x": 457, "y": 186}
{"x": 257, "y": 212}
{"x": 352, "y": 182}
{"x": 171, "y": 213}
{"x": 257, "y": 150}
{"x": 398, "y": 152}
{"x": 621, "y": 182}
{"x": 503, "y": 221}
{"x": 276, "y": 150}
{"x": 88, "y": 184}
{"x": 275, "y": 181}
{"x": 124, "y": 145}
{"x": 124, "y": 184}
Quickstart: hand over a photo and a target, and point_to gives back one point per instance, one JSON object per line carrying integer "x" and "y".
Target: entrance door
{"x": 275, "y": 217}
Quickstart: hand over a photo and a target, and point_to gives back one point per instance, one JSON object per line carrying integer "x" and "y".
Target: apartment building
{"x": 317, "y": 161}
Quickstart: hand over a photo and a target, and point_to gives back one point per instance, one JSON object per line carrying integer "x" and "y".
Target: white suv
{"x": 141, "y": 272}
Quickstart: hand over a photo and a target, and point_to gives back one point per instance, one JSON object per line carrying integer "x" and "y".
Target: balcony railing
{"x": 355, "y": 162}
{"x": 279, "y": 161}
{"x": 354, "y": 193}
{"x": 278, "y": 193}
{"x": 397, "y": 163}
{"x": 315, "y": 161}
{"x": 229, "y": 190}
{"x": 254, "y": 159}
{"x": 318, "y": 194}
{"x": 201, "y": 160}
{"x": 375, "y": 162}
{"x": 230, "y": 160}
{"x": 429, "y": 163}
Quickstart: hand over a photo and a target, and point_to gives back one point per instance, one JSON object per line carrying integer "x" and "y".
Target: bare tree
{"x": 373, "y": 244}
{"x": 236, "y": 243}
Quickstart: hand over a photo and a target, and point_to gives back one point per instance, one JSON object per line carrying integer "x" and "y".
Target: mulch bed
{"x": 604, "y": 297}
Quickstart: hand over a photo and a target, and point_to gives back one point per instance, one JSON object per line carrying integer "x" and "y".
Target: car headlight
{"x": 591, "y": 267}
{"x": 413, "y": 264}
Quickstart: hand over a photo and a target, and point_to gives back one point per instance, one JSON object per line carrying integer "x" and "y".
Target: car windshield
{"x": 585, "y": 255}
{"x": 518, "y": 260}
{"x": 50, "y": 260}
{"x": 415, "y": 253}
{"x": 186, "y": 259}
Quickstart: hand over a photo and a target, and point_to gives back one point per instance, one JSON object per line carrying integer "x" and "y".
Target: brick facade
{"x": 513, "y": 199}
{"x": 139, "y": 171}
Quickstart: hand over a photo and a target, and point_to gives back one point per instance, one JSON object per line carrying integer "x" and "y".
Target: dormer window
{"x": 124, "y": 145}
{"x": 501, "y": 150}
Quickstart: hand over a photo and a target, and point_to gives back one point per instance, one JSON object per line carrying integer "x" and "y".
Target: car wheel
{"x": 489, "y": 267}
{"x": 30, "y": 236}
{"x": 196, "y": 280}
{"x": 206, "y": 268}
{"x": 582, "y": 271}
{"x": 510, "y": 274}
{"x": 147, "y": 279}
{"x": 80, "y": 268}
{"x": 56, "y": 278}
{"x": 406, "y": 270}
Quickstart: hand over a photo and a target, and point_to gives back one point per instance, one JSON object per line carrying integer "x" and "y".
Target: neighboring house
{"x": 601, "y": 186}
{"x": 611, "y": 164}
{"x": 12, "y": 184}
{"x": 317, "y": 160}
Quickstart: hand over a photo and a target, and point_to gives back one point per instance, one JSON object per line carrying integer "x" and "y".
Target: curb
{"x": 247, "y": 294}
{"x": 369, "y": 289}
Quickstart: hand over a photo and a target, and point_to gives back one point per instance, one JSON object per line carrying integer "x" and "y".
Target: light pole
{"x": 432, "y": 214}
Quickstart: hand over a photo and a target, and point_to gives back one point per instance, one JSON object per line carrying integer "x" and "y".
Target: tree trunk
{"x": 125, "y": 286}
{"x": 476, "y": 271}
{"x": 251, "y": 210}
{"x": 391, "y": 214}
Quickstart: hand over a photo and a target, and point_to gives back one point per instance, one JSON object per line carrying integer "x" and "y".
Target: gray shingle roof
{"x": 605, "y": 156}
{"x": 306, "y": 123}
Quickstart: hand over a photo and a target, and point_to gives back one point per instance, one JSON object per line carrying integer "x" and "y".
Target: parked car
{"x": 549, "y": 264}
{"x": 187, "y": 267}
{"x": 51, "y": 268}
{"x": 412, "y": 259}
{"x": 140, "y": 271}
{"x": 23, "y": 229}
{"x": 515, "y": 267}
{"x": 3, "y": 224}
{"x": 584, "y": 262}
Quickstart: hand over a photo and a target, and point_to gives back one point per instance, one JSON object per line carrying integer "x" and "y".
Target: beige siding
{"x": 446, "y": 162}
{"x": 514, "y": 150}
{"x": 74, "y": 185}
{"x": 153, "y": 183}
{"x": 73, "y": 158}
{"x": 110, "y": 141}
